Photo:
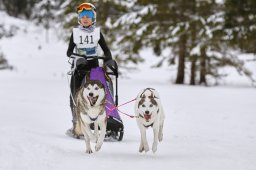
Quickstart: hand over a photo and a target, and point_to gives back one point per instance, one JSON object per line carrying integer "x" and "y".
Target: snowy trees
{"x": 5, "y": 32}
{"x": 196, "y": 32}
{"x": 196, "y": 37}
{"x": 18, "y": 8}
{"x": 3, "y": 63}
{"x": 240, "y": 24}
{"x": 44, "y": 13}
{"x": 180, "y": 26}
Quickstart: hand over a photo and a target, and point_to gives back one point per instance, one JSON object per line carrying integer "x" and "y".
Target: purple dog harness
{"x": 99, "y": 74}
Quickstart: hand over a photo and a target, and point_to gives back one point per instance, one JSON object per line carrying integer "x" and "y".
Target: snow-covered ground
{"x": 206, "y": 128}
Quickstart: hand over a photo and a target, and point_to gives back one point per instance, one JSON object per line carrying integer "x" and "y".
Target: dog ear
{"x": 152, "y": 96}
{"x": 153, "y": 101}
{"x": 141, "y": 101}
{"x": 87, "y": 77}
{"x": 142, "y": 95}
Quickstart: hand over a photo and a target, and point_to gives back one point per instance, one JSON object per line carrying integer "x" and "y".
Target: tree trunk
{"x": 193, "y": 59}
{"x": 181, "y": 64}
{"x": 193, "y": 70}
{"x": 203, "y": 66}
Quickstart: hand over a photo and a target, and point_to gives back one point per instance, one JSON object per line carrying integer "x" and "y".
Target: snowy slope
{"x": 205, "y": 128}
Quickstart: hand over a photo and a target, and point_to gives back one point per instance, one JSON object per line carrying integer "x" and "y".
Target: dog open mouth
{"x": 147, "y": 117}
{"x": 92, "y": 100}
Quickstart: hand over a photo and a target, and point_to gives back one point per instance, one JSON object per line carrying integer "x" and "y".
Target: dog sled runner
{"x": 105, "y": 75}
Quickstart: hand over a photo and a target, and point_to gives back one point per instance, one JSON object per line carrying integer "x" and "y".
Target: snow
{"x": 205, "y": 128}
{"x": 135, "y": 17}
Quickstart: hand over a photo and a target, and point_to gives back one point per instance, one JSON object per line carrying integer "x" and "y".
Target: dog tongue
{"x": 147, "y": 117}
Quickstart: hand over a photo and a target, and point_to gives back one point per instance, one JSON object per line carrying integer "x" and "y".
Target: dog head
{"x": 94, "y": 92}
{"x": 148, "y": 105}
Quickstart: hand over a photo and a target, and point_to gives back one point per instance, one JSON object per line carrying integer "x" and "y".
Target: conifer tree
{"x": 240, "y": 24}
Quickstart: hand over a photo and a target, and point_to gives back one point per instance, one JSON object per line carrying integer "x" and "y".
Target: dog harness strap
{"x": 149, "y": 125}
{"x": 93, "y": 119}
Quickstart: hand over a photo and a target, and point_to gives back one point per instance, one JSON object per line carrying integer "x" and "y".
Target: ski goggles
{"x": 85, "y": 6}
{"x": 87, "y": 13}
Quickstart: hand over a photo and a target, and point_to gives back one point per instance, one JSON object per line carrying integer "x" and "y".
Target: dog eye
{"x": 143, "y": 105}
{"x": 96, "y": 88}
{"x": 88, "y": 88}
{"x": 151, "y": 105}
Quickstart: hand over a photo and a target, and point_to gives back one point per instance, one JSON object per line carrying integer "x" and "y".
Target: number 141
{"x": 86, "y": 39}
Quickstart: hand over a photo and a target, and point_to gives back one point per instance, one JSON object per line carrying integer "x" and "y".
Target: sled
{"x": 106, "y": 74}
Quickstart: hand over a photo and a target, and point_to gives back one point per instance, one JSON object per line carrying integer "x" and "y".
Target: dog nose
{"x": 147, "y": 112}
{"x": 90, "y": 94}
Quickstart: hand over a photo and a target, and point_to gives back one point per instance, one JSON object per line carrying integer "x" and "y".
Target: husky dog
{"x": 90, "y": 100}
{"x": 149, "y": 112}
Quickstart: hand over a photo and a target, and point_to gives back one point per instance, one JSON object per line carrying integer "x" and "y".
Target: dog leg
{"x": 162, "y": 117}
{"x": 144, "y": 142}
{"x": 96, "y": 131}
{"x": 160, "y": 134}
{"x": 86, "y": 138}
{"x": 103, "y": 128}
{"x": 156, "y": 135}
{"x": 90, "y": 134}
{"x": 88, "y": 145}
{"x": 141, "y": 149}
{"x": 77, "y": 130}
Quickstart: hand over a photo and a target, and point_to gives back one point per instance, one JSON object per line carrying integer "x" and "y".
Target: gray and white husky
{"x": 90, "y": 100}
{"x": 149, "y": 112}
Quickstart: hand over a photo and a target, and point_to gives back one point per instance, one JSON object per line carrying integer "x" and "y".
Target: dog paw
{"x": 89, "y": 151}
{"x": 146, "y": 148}
{"x": 141, "y": 149}
{"x": 154, "y": 148}
{"x": 97, "y": 147}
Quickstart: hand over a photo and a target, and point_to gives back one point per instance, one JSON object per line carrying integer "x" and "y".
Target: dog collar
{"x": 141, "y": 116}
{"x": 149, "y": 125}
{"x": 93, "y": 119}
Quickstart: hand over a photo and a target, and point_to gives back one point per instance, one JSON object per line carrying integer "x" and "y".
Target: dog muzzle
{"x": 147, "y": 117}
{"x": 92, "y": 100}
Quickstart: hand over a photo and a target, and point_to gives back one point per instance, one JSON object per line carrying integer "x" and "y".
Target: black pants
{"x": 77, "y": 79}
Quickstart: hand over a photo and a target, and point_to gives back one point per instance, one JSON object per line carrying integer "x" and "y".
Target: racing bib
{"x": 85, "y": 41}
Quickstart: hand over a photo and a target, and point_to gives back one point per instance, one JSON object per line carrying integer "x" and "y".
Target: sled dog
{"x": 149, "y": 113}
{"x": 90, "y": 100}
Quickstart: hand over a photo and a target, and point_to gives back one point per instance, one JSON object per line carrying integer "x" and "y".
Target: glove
{"x": 111, "y": 64}
{"x": 80, "y": 61}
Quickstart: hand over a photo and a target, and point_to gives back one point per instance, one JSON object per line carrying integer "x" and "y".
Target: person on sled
{"x": 85, "y": 39}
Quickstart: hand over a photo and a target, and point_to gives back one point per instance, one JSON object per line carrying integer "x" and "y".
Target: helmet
{"x": 85, "y": 6}
{"x": 87, "y": 9}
